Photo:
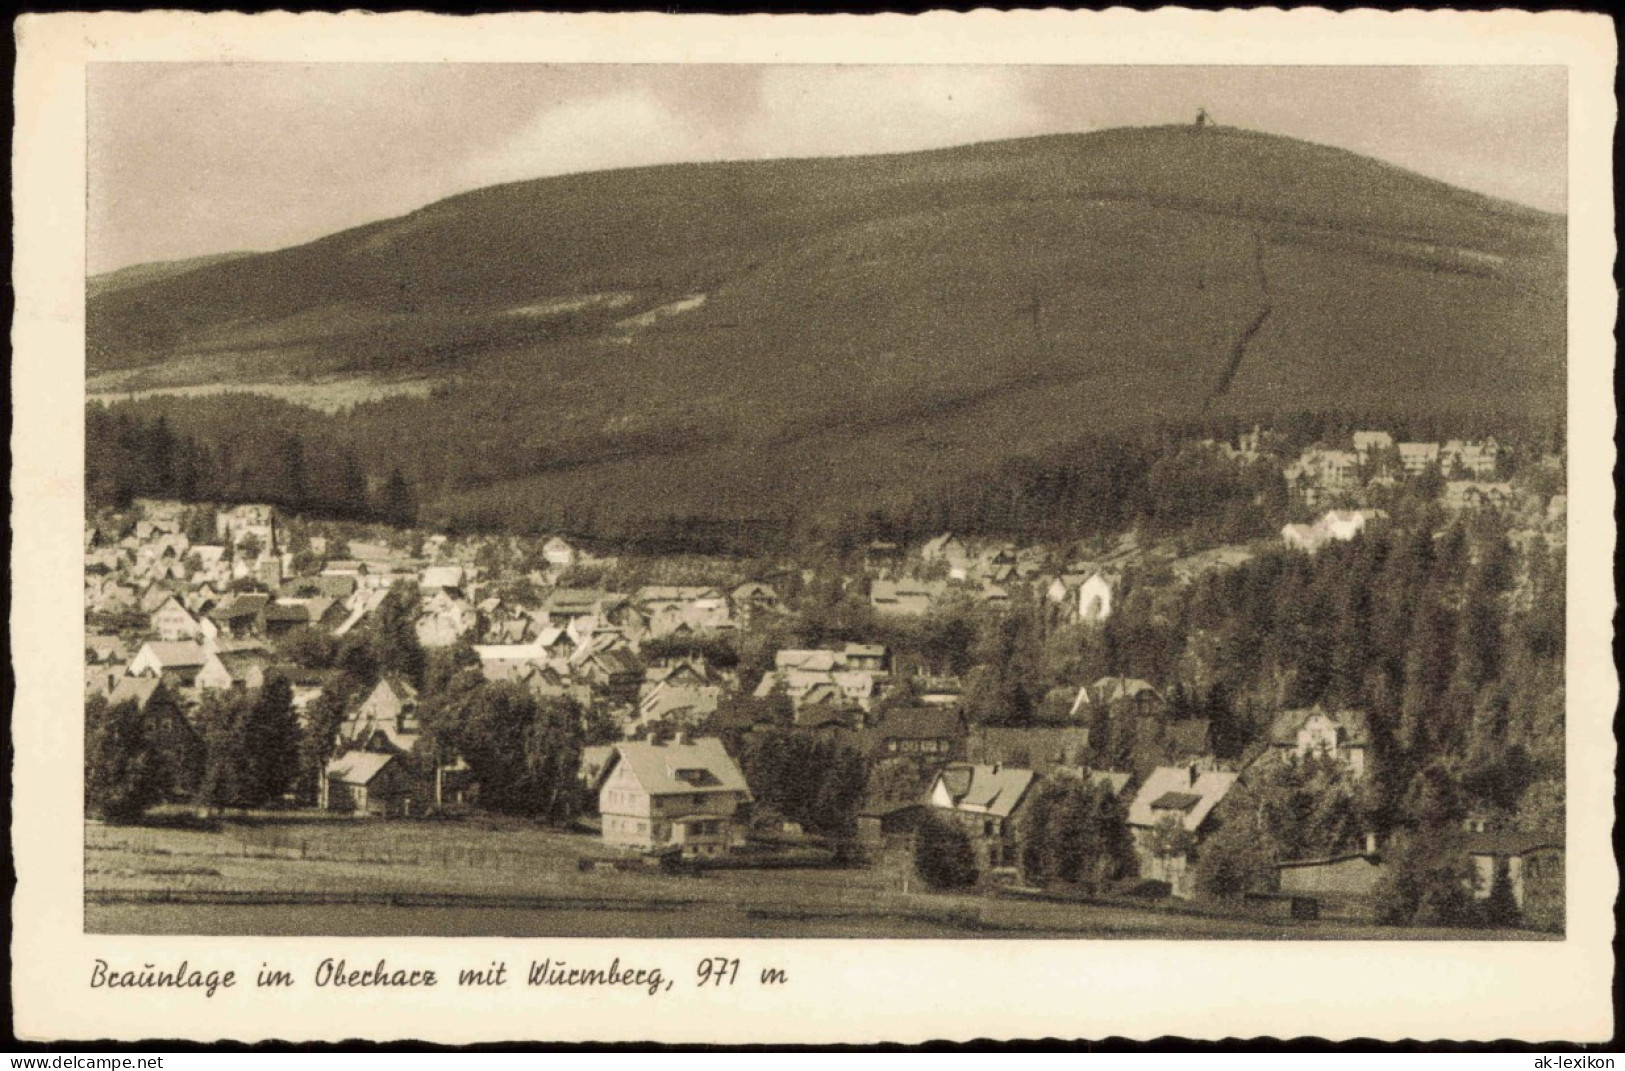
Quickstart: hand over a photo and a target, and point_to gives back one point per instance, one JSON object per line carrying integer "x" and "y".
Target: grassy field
{"x": 316, "y": 876}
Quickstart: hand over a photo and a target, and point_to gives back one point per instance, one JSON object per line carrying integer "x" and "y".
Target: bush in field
{"x": 943, "y": 856}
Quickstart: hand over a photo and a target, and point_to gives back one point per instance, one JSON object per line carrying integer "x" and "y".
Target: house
{"x": 905, "y": 598}
{"x": 241, "y": 615}
{"x": 945, "y": 547}
{"x": 1042, "y": 750}
{"x": 238, "y": 524}
{"x": 441, "y": 578}
{"x": 1095, "y": 597}
{"x": 372, "y": 784}
{"x": 225, "y": 670}
{"x": 1473, "y": 459}
{"x": 1417, "y": 458}
{"x": 446, "y": 620}
{"x": 1171, "y": 799}
{"x": 1159, "y": 741}
{"x": 565, "y": 606}
{"x": 177, "y": 664}
{"x": 948, "y": 550}
{"x": 1530, "y": 863}
{"x": 1320, "y": 473}
{"x": 137, "y": 690}
{"x": 508, "y": 661}
{"x": 1342, "y": 735}
{"x": 1338, "y": 525}
{"x": 543, "y": 682}
{"x": 888, "y": 821}
{"x": 934, "y": 733}
{"x": 282, "y": 616}
{"x": 157, "y": 593}
{"x": 683, "y": 795}
{"x": 386, "y": 721}
{"x": 558, "y": 553}
{"x": 1306, "y": 537}
{"x": 867, "y": 657}
{"x": 1138, "y": 696}
{"x": 986, "y": 802}
{"x": 1474, "y": 494}
{"x": 814, "y": 661}
{"x": 753, "y": 600}
{"x": 105, "y": 649}
{"x": 682, "y": 694}
{"x": 1372, "y": 443}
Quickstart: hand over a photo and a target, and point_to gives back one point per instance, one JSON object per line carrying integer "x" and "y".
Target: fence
{"x": 313, "y": 898}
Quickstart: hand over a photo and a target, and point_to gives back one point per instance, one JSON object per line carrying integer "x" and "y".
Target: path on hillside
{"x": 1238, "y": 351}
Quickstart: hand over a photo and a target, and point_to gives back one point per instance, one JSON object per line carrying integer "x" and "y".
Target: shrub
{"x": 943, "y": 856}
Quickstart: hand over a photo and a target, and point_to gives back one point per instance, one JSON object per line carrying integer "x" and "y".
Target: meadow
{"x": 315, "y": 876}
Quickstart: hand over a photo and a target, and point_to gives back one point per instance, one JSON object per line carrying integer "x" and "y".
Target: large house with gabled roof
{"x": 681, "y": 795}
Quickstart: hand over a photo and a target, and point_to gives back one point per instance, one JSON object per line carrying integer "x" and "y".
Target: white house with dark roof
{"x": 1342, "y": 735}
{"x": 683, "y": 795}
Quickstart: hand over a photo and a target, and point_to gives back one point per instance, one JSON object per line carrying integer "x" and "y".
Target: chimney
{"x": 652, "y": 737}
{"x": 681, "y": 738}
{"x": 1371, "y": 844}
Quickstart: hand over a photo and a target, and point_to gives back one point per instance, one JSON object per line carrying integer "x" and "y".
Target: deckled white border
{"x": 854, "y": 991}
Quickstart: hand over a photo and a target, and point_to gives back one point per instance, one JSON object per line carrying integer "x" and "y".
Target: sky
{"x": 192, "y": 159}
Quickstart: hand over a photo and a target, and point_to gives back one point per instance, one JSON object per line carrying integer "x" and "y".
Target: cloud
{"x": 782, "y": 111}
{"x": 841, "y": 110}
{"x": 624, "y": 129}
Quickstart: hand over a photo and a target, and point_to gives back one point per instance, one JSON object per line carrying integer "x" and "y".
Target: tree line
{"x": 459, "y": 456}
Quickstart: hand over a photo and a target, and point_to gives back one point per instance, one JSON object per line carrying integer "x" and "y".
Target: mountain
{"x": 139, "y": 274}
{"x": 742, "y": 337}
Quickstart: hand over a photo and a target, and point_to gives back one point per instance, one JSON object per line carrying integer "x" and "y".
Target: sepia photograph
{"x": 1065, "y": 502}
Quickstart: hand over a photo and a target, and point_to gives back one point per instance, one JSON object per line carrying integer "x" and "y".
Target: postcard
{"x": 784, "y": 529}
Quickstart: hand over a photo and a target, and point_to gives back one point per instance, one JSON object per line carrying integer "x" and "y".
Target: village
{"x": 1050, "y": 721}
